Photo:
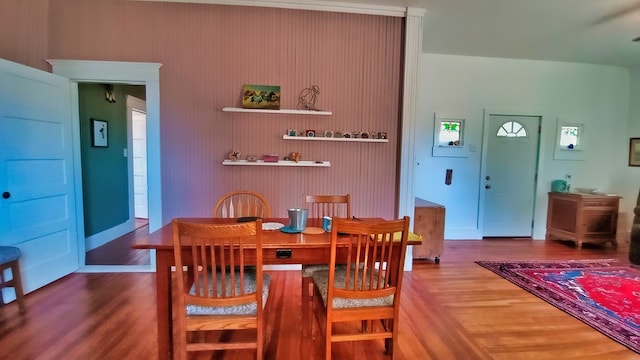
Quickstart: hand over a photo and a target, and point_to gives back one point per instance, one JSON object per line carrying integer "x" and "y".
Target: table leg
{"x": 164, "y": 303}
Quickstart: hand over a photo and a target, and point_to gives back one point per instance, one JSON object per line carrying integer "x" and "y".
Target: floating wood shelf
{"x": 279, "y": 163}
{"x": 273, "y": 111}
{"x": 313, "y": 138}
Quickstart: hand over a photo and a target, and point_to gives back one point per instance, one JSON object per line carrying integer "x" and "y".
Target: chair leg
{"x": 307, "y": 314}
{"x": 307, "y": 294}
{"x": 17, "y": 282}
{"x": 327, "y": 341}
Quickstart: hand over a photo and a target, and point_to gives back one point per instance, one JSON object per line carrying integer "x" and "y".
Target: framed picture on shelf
{"x": 261, "y": 97}
{"x": 99, "y": 133}
{"x": 634, "y": 152}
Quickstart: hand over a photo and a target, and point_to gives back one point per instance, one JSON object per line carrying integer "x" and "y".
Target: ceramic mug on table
{"x": 326, "y": 223}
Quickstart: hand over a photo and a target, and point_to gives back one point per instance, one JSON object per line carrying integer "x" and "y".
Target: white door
{"x": 510, "y": 175}
{"x": 37, "y": 207}
{"x": 137, "y": 110}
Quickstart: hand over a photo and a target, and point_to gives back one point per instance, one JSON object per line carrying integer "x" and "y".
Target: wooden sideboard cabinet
{"x": 428, "y": 222}
{"x": 582, "y": 218}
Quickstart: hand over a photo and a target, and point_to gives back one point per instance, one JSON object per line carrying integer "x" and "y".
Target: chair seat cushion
{"x": 243, "y": 309}
{"x": 321, "y": 279}
{"x": 308, "y": 270}
{"x": 9, "y": 253}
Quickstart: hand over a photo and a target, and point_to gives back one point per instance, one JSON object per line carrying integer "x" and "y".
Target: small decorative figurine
{"x": 234, "y": 155}
{"x": 307, "y": 98}
{"x": 252, "y": 158}
{"x": 294, "y": 156}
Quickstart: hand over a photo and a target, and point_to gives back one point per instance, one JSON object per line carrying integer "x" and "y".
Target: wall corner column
{"x": 412, "y": 51}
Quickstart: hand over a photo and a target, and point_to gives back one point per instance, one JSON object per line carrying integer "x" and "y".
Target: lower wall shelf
{"x": 279, "y": 163}
{"x": 319, "y": 138}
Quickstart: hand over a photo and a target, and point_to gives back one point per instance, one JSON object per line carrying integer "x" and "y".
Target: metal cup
{"x": 297, "y": 219}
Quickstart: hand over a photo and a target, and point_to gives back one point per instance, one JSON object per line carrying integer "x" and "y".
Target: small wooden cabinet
{"x": 582, "y": 218}
{"x": 429, "y": 223}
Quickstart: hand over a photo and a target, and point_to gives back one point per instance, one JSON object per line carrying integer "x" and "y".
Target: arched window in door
{"x": 511, "y": 129}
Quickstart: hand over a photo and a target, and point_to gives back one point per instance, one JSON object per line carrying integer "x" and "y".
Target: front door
{"x": 37, "y": 207}
{"x": 509, "y": 178}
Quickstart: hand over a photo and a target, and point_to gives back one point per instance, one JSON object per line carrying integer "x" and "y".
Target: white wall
{"x": 597, "y": 96}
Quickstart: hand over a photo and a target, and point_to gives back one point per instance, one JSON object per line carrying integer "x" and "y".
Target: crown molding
{"x": 329, "y": 6}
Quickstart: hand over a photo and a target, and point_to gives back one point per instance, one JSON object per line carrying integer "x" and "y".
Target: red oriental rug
{"x": 605, "y": 294}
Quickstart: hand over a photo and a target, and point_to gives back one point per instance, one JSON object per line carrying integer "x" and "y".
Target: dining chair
{"x": 218, "y": 290}
{"x": 242, "y": 203}
{"x": 319, "y": 206}
{"x": 10, "y": 259}
{"x": 368, "y": 288}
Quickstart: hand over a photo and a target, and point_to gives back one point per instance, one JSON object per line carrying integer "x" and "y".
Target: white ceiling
{"x": 587, "y": 31}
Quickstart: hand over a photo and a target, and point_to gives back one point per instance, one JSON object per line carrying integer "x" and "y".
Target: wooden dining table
{"x": 278, "y": 248}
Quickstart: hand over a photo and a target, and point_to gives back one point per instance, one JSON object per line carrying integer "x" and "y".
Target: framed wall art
{"x": 99, "y": 133}
{"x": 634, "y": 152}
{"x": 261, "y": 97}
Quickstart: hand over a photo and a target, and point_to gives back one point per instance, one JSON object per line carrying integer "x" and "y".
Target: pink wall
{"x": 208, "y": 52}
{"x": 23, "y": 32}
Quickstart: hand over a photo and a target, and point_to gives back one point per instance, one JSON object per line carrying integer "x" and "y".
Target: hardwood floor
{"x": 454, "y": 310}
{"x": 119, "y": 251}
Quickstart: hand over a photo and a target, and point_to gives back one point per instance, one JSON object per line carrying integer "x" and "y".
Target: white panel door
{"x": 139, "y": 133}
{"x": 510, "y": 177}
{"x": 37, "y": 206}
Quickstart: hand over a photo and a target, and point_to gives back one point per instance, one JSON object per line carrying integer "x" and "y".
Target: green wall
{"x": 104, "y": 170}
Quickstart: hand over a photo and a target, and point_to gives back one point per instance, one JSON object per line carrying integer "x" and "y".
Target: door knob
{"x": 487, "y": 186}
{"x": 488, "y": 177}
{"x": 6, "y": 195}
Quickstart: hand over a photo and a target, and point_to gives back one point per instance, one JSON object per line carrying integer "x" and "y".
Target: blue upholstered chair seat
{"x": 244, "y": 309}
{"x": 9, "y": 253}
{"x": 321, "y": 279}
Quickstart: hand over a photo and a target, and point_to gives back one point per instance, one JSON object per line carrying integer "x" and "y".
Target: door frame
{"x": 538, "y": 211}
{"x": 133, "y": 73}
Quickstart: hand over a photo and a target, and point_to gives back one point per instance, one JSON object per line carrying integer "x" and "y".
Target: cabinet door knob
{"x": 487, "y": 186}
{"x": 6, "y": 195}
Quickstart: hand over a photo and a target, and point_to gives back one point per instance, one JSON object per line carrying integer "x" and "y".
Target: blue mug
{"x": 326, "y": 223}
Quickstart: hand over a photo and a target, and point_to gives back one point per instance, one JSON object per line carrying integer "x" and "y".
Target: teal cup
{"x": 558, "y": 186}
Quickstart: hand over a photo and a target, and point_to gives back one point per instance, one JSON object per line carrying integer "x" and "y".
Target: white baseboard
{"x": 101, "y": 238}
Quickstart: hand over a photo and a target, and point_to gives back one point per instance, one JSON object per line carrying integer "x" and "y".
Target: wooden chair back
{"x": 368, "y": 287}
{"x": 319, "y": 206}
{"x": 211, "y": 271}
{"x": 242, "y": 203}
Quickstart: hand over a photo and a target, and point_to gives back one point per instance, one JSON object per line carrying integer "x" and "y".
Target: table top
{"x": 162, "y": 239}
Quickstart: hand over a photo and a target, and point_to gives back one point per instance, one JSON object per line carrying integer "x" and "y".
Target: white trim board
{"x": 329, "y": 6}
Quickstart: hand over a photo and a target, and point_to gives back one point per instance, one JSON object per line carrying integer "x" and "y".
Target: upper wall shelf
{"x": 277, "y": 163}
{"x": 272, "y": 111}
{"x": 287, "y": 137}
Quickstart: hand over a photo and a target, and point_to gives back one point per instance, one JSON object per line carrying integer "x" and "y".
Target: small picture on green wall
{"x": 261, "y": 97}
{"x": 99, "y": 133}
{"x": 634, "y": 152}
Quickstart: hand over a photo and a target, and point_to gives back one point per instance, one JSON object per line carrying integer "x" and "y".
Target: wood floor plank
{"x": 454, "y": 310}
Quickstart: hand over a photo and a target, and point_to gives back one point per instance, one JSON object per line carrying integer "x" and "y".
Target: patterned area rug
{"x": 602, "y": 293}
